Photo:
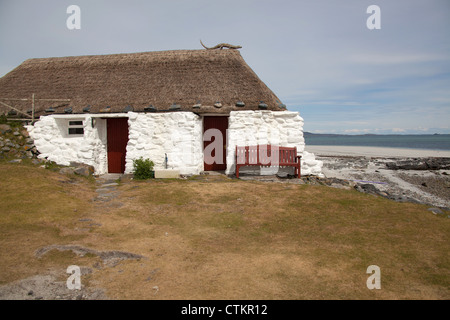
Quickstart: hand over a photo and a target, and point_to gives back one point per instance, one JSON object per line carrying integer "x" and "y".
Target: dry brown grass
{"x": 225, "y": 239}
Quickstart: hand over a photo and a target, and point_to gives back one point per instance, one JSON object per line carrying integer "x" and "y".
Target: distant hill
{"x": 310, "y": 134}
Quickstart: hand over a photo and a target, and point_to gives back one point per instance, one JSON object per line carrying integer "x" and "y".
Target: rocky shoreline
{"x": 419, "y": 180}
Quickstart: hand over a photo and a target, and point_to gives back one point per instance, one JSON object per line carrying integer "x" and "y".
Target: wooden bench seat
{"x": 266, "y": 155}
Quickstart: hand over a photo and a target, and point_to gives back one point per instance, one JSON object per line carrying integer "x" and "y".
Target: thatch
{"x": 168, "y": 80}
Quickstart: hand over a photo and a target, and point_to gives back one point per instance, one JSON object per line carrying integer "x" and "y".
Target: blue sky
{"x": 318, "y": 56}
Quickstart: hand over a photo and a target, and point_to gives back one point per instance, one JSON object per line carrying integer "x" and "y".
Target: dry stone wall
{"x": 15, "y": 142}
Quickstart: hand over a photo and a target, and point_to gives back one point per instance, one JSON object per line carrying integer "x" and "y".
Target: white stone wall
{"x": 283, "y": 128}
{"x": 52, "y": 140}
{"x": 177, "y": 134}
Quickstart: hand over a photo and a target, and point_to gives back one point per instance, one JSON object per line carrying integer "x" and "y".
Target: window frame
{"x": 74, "y": 126}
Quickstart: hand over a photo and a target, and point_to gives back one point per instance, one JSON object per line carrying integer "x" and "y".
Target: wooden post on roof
{"x": 32, "y": 108}
{"x": 11, "y": 107}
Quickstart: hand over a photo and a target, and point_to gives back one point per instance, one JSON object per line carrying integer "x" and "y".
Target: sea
{"x": 419, "y": 141}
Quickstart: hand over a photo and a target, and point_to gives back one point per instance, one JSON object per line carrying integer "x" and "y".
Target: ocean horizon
{"x": 410, "y": 141}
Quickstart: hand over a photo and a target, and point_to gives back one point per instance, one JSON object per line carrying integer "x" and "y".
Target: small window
{"x": 76, "y": 131}
{"x": 76, "y": 127}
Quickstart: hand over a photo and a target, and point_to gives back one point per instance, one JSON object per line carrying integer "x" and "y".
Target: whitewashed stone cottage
{"x": 107, "y": 110}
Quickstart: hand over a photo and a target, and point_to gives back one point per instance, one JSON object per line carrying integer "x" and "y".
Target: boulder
{"x": 66, "y": 170}
{"x": 436, "y": 211}
{"x": 84, "y": 170}
{"x": 4, "y": 128}
{"x": 420, "y": 164}
{"x": 367, "y": 188}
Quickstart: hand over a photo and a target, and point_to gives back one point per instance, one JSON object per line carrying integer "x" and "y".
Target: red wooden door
{"x": 117, "y": 136}
{"x": 211, "y": 162}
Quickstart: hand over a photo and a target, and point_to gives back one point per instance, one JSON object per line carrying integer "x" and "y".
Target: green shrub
{"x": 143, "y": 169}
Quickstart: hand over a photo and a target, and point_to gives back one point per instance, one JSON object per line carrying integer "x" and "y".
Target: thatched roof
{"x": 189, "y": 80}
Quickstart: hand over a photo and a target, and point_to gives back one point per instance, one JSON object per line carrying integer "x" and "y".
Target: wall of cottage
{"x": 283, "y": 128}
{"x": 152, "y": 136}
{"x": 52, "y": 140}
{"x": 177, "y": 134}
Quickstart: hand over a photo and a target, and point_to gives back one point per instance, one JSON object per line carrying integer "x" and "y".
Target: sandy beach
{"x": 375, "y": 152}
{"x": 416, "y": 175}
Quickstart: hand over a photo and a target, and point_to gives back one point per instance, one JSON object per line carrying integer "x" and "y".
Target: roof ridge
{"x": 178, "y": 52}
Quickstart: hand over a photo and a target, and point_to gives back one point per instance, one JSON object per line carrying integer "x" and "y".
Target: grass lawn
{"x": 218, "y": 238}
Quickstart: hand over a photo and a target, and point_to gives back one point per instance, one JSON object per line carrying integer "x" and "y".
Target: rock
{"x": 67, "y": 170}
{"x": 339, "y": 186}
{"x": 6, "y": 149}
{"x": 438, "y": 163}
{"x": 420, "y": 164}
{"x": 16, "y": 161}
{"x": 84, "y": 170}
{"x": 367, "y": 188}
{"x": 16, "y": 133}
{"x": 282, "y": 175}
{"x": 436, "y": 211}
{"x": 4, "y": 128}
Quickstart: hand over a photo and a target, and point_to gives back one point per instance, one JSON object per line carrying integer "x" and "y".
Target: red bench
{"x": 266, "y": 155}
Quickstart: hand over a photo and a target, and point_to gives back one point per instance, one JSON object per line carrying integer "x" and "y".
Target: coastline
{"x": 382, "y": 152}
{"x": 404, "y": 175}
